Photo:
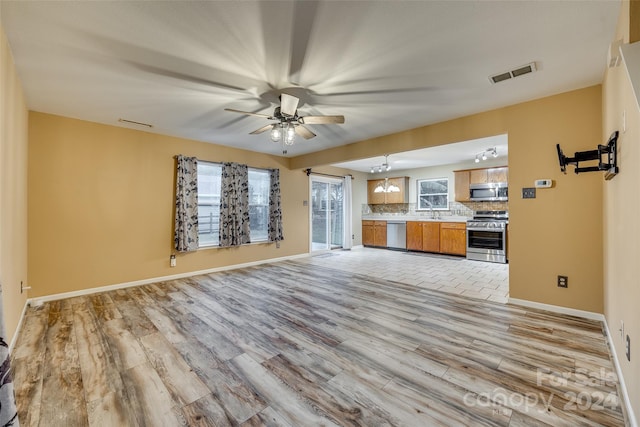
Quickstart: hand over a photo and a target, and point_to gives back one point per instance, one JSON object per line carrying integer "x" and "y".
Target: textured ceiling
{"x": 387, "y": 66}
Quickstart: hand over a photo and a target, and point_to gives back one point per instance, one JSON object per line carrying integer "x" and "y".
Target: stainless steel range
{"x": 487, "y": 236}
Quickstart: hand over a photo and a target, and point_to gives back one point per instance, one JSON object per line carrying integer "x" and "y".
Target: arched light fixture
{"x": 493, "y": 152}
{"x": 385, "y": 167}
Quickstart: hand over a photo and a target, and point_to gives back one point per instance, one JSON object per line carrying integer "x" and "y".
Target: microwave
{"x": 489, "y": 192}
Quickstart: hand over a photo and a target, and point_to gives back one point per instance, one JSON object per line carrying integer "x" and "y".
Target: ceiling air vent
{"x": 520, "y": 71}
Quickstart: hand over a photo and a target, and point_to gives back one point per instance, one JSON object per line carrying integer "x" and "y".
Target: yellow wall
{"x": 621, "y": 229}
{"x": 101, "y": 205}
{"x": 13, "y": 190}
{"x": 559, "y": 232}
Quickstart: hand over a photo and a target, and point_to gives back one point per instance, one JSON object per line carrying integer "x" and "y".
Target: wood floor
{"x": 293, "y": 344}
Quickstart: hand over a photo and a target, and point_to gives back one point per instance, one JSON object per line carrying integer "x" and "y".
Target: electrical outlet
{"x": 563, "y": 281}
{"x": 628, "y": 348}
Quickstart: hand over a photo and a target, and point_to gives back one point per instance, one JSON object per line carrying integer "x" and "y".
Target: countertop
{"x": 401, "y": 217}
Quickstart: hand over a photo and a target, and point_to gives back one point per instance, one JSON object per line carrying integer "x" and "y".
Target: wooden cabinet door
{"x": 453, "y": 238}
{"x": 380, "y": 234}
{"x": 414, "y": 235}
{"x": 367, "y": 233}
{"x": 374, "y": 198}
{"x": 496, "y": 175}
{"x": 431, "y": 236}
{"x": 462, "y": 186}
{"x": 478, "y": 176}
{"x": 401, "y": 196}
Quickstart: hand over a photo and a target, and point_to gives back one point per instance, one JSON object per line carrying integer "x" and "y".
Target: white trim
{"x": 623, "y": 388}
{"x": 592, "y": 316}
{"x": 557, "y": 309}
{"x": 12, "y": 344}
{"x": 53, "y": 297}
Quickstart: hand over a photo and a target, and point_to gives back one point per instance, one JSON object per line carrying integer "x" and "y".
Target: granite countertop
{"x": 406, "y": 217}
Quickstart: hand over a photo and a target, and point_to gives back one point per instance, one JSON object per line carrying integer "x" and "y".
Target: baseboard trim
{"x": 592, "y": 316}
{"x": 557, "y": 309}
{"x": 633, "y": 422}
{"x": 12, "y": 344}
{"x": 53, "y": 297}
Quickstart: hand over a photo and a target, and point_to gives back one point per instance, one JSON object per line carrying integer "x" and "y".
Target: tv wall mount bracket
{"x": 605, "y": 155}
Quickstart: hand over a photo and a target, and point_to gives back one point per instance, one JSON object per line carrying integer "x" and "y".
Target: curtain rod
{"x": 309, "y": 172}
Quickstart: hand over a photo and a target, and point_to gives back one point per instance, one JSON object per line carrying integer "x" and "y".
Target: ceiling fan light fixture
{"x": 290, "y": 136}
{"x": 276, "y": 133}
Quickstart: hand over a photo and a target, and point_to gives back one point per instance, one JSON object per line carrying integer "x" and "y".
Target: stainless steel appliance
{"x": 487, "y": 236}
{"x": 397, "y": 235}
{"x": 489, "y": 192}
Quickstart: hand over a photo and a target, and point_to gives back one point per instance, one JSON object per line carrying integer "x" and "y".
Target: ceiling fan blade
{"x": 304, "y": 15}
{"x": 248, "y": 113}
{"x": 288, "y": 104}
{"x": 321, "y": 120}
{"x": 262, "y": 129}
{"x": 304, "y": 132}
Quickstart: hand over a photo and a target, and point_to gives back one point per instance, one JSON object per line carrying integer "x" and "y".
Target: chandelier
{"x": 493, "y": 152}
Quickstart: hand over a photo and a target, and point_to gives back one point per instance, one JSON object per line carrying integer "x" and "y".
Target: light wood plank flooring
{"x": 297, "y": 344}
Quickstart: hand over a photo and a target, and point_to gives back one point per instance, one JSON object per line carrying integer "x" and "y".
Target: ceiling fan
{"x": 288, "y": 122}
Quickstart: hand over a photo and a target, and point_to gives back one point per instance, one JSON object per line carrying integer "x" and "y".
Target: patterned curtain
{"x": 186, "y": 226}
{"x": 234, "y": 205}
{"x": 8, "y": 411}
{"x": 275, "y": 210}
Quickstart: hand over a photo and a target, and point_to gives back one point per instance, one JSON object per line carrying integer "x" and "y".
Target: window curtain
{"x": 186, "y": 224}
{"x": 234, "y": 205}
{"x": 347, "y": 206}
{"x": 8, "y": 411}
{"x": 275, "y": 210}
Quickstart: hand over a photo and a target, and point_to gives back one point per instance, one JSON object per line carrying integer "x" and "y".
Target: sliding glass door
{"x": 327, "y": 213}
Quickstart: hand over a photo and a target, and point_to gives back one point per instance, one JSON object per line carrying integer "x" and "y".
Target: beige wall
{"x": 621, "y": 228}
{"x": 558, "y": 233}
{"x": 101, "y": 205}
{"x": 13, "y": 190}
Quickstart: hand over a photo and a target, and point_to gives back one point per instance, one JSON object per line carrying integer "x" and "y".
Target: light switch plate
{"x": 529, "y": 193}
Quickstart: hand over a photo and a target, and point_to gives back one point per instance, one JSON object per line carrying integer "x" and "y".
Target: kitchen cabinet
{"x": 374, "y": 233}
{"x": 388, "y": 197}
{"x": 453, "y": 238}
{"x": 461, "y": 186}
{"x": 414, "y": 235}
{"x": 464, "y": 178}
{"x": 431, "y": 236}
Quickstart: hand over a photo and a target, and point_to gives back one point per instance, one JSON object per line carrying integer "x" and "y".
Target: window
{"x": 433, "y": 194}
{"x": 259, "y": 185}
{"x": 209, "y": 185}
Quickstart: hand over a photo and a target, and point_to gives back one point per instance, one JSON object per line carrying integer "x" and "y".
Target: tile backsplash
{"x": 455, "y": 209}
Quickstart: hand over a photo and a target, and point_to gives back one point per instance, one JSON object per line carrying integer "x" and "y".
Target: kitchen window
{"x": 209, "y": 185}
{"x": 433, "y": 194}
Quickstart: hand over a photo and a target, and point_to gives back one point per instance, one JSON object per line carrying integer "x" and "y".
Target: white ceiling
{"x": 387, "y": 66}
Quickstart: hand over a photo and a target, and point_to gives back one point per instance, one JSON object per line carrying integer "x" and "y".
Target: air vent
{"x": 520, "y": 71}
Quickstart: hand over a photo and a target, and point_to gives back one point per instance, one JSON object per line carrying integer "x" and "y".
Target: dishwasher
{"x": 397, "y": 235}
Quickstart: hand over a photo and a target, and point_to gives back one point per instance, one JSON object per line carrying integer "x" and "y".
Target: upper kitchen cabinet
{"x": 388, "y": 190}
{"x": 464, "y": 178}
{"x": 490, "y": 175}
{"x": 462, "y": 186}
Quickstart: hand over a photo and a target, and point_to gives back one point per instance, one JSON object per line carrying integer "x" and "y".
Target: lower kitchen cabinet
{"x": 374, "y": 233}
{"x": 414, "y": 235}
{"x": 453, "y": 238}
{"x": 431, "y": 236}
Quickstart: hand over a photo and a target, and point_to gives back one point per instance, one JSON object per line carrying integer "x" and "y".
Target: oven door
{"x": 486, "y": 245}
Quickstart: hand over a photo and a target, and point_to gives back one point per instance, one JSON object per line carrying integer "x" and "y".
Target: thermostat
{"x": 543, "y": 183}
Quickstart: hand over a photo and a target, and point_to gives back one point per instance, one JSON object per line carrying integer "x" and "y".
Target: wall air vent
{"x": 520, "y": 71}
{"x": 131, "y": 122}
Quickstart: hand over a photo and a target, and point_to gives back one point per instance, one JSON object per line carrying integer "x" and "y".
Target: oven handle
{"x": 484, "y": 229}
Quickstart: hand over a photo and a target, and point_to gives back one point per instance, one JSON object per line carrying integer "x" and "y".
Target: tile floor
{"x": 476, "y": 279}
